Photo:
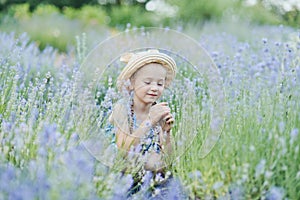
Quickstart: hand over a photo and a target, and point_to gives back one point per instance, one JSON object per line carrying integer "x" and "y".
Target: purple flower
{"x": 6, "y": 126}
{"x": 49, "y": 136}
{"x": 236, "y": 193}
{"x": 294, "y": 134}
{"x": 122, "y": 186}
{"x": 260, "y": 168}
{"x": 175, "y": 190}
{"x": 80, "y": 162}
{"x": 275, "y": 193}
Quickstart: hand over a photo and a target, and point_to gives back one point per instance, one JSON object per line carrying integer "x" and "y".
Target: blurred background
{"x": 58, "y": 22}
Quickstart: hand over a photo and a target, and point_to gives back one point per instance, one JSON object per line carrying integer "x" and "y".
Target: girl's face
{"x": 148, "y": 83}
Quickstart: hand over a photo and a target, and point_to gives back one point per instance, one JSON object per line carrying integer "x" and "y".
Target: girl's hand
{"x": 167, "y": 122}
{"x": 158, "y": 112}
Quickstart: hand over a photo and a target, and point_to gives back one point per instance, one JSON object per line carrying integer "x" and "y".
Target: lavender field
{"x": 256, "y": 157}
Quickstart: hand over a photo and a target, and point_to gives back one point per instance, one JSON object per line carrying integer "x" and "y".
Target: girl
{"x": 142, "y": 125}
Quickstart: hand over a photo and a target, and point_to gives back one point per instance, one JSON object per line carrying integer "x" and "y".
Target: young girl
{"x": 142, "y": 124}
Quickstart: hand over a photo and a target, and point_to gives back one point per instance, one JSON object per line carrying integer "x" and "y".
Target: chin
{"x": 150, "y": 102}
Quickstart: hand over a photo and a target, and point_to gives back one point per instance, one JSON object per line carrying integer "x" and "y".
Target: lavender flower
{"x": 237, "y": 192}
{"x": 50, "y": 135}
{"x": 275, "y": 193}
{"x": 294, "y": 134}
{"x": 260, "y": 168}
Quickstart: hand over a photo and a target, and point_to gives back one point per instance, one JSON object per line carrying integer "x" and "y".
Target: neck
{"x": 141, "y": 108}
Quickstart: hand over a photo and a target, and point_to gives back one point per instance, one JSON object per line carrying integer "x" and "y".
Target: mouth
{"x": 152, "y": 95}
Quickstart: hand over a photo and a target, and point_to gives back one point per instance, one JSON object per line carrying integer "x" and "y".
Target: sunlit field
{"x": 43, "y": 114}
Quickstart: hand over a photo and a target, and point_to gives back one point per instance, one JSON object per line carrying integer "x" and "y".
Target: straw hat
{"x": 135, "y": 61}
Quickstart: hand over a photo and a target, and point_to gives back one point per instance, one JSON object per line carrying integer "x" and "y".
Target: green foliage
{"x": 33, "y": 4}
{"x": 46, "y": 25}
{"x": 59, "y": 28}
{"x": 46, "y": 9}
{"x": 288, "y": 12}
{"x": 257, "y": 14}
{"x": 71, "y": 3}
{"x": 87, "y": 14}
{"x": 19, "y": 11}
{"x": 60, "y": 25}
{"x": 120, "y": 12}
{"x": 199, "y": 11}
{"x": 216, "y": 10}
{"x": 135, "y": 15}
{"x": 292, "y": 18}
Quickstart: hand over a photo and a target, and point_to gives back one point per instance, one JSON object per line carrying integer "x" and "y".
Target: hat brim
{"x": 142, "y": 59}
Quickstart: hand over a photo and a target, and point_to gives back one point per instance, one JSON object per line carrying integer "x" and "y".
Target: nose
{"x": 154, "y": 87}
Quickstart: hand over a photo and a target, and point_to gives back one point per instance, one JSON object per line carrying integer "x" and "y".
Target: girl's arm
{"x": 165, "y": 142}
{"x": 125, "y": 140}
{"x": 165, "y": 136}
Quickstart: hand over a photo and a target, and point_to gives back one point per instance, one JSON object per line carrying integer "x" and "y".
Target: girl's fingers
{"x": 163, "y": 103}
{"x": 164, "y": 112}
{"x": 160, "y": 105}
{"x": 160, "y": 111}
{"x": 167, "y": 117}
{"x": 170, "y": 120}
